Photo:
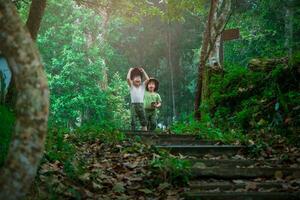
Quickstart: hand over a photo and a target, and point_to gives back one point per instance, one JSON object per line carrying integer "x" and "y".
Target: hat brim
{"x": 156, "y": 84}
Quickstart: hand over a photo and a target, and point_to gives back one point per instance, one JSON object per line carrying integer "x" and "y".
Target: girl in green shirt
{"x": 152, "y": 102}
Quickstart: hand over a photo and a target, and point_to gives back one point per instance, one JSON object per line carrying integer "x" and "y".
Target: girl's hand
{"x": 141, "y": 69}
{"x": 157, "y": 104}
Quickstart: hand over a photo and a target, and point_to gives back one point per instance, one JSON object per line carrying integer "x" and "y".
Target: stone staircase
{"x": 222, "y": 171}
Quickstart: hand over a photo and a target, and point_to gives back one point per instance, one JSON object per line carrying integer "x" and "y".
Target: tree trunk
{"x": 36, "y": 13}
{"x": 214, "y": 57}
{"x": 32, "y": 105}
{"x": 203, "y": 58}
{"x": 219, "y": 21}
{"x": 210, "y": 49}
{"x": 33, "y": 23}
{"x": 176, "y": 61}
{"x": 169, "y": 39}
{"x": 105, "y": 18}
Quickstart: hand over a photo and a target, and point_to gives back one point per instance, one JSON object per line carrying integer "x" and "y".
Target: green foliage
{"x": 257, "y": 148}
{"x": 251, "y": 101}
{"x": 7, "y": 120}
{"x": 263, "y": 35}
{"x": 75, "y": 61}
{"x": 120, "y": 114}
{"x": 295, "y": 58}
{"x": 133, "y": 36}
{"x": 74, "y": 69}
{"x": 176, "y": 9}
{"x": 206, "y": 129}
{"x": 243, "y": 101}
{"x": 173, "y": 169}
{"x": 80, "y": 50}
{"x": 97, "y": 132}
{"x": 57, "y": 146}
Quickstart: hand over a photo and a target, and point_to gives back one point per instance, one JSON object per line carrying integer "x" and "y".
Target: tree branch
{"x": 36, "y": 13}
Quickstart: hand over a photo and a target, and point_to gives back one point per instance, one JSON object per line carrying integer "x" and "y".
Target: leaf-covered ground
{"x": 76, "y": 167}
{"x": 98, "y": 170}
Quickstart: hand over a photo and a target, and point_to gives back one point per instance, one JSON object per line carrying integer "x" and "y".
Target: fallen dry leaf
{"x": 251, "y": 186}
{"x": 278, "y": 175}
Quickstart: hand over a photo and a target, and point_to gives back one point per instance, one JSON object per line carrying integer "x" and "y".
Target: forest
{"x": 228, "y": 74}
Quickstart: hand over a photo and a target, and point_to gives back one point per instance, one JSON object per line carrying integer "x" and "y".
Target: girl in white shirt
{"x": 137, "y": 91}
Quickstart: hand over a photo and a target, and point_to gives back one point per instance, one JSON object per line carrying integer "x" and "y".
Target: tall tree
{"x": 171, "y": 68}
{"x": 220, "y": 18}
{"x": 106, "y": 9}
{"x": 217, "y": 18}
{"x": 35, "y": 16}
{"x": 32, "y": 104}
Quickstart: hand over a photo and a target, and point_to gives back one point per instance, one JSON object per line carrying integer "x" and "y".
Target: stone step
{"x": 239, "y": 184}
{"x": 200, "y": 150}
{"x": 222, "y": 162}
{"x": 242, "y": 195}
{"x": 246, "y": 173}
{"x": 164, "y": 139}
{"x": 239, "y": 161}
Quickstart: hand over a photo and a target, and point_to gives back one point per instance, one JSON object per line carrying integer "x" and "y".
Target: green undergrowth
{"x": 7, "y": 119}
{"x": 260, "y": 101}
{"x": 245, "y": 103}
{"x": 206, "y": 130}
{"x": 173, "y": 169}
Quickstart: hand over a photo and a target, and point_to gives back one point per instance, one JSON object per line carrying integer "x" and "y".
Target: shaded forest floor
{"x": 79, "y": 167}
{"x": 95, "y": 169}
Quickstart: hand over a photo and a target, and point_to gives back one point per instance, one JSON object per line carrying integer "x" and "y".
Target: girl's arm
{"x": 158, "y": 101}
{"x": 129, "y": 81}
{"x": 146, "y": 76}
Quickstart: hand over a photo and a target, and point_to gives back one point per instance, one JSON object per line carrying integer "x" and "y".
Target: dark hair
{"x": 136, "y": 72}
{"x": 155, "y": 81}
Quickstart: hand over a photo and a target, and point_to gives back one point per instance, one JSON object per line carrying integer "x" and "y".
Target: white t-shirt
{"x": 137, "y": 93}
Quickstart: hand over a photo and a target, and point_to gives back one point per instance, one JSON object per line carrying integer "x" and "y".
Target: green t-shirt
{"x": 149, "y": 98}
